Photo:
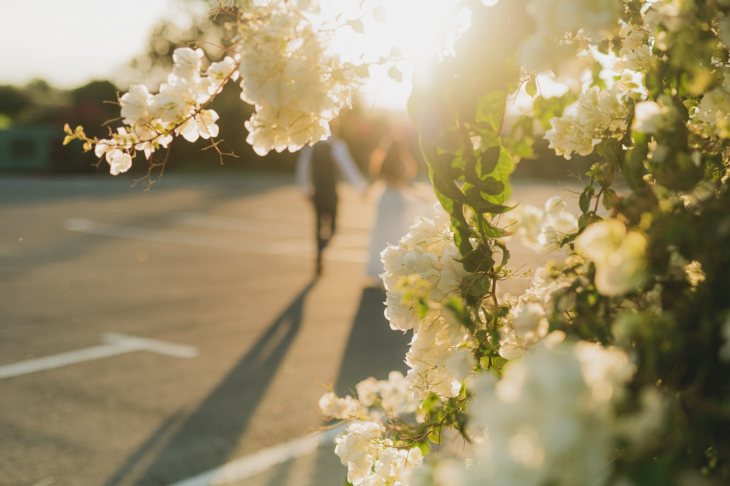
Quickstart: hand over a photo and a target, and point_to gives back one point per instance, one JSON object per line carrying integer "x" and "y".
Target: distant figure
{"x": 318, "y": 169}
{"x": 398, "y": 206}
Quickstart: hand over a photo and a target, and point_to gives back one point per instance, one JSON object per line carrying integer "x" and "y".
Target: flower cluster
{"x": 542, "y": 230}
{"x": 152, "y": 120}
{"x": 288, "y": 71}
{"x": 527, "y": 322}
{"x": 549, "y": 419}
{"x": 294, "y": 83}
{"x": 635, "y": 53}
{"x": 421, "y": 272}
{"x": 375, "y": 399}
{"x": 653, "y": 117}
{"x": 370, "y": 456}
{"x": 618, "y": 254}
{"x": 390, "y": 395}
{"x": 713, "y": 109}
{"x": 597, "y": 114}
{"x": 345, "y": 408}
{"x": 372, "y": 459}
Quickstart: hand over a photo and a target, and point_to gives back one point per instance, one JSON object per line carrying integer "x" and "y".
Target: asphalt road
{"x": 214, "y": 273}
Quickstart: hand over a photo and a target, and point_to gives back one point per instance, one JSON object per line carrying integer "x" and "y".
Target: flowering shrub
{"x": 612, "y": 367}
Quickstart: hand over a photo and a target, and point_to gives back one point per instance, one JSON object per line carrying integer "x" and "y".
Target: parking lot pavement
{"x": 149, "y": 337}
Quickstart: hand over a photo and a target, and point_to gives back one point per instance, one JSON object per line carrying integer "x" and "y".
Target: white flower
{"x": 667, "y": 12}
{"x": 567, "y": 135}
{"x": 340, "y": 408}
{"x": 424, "y": 263}
{"x": 530, "y": 319}
{"x": 118, "y": 161}
{"x": 525, "y": 325}
{"x": 173, "y": 103}
{"x": 295, "y": 83}
{"x": 186, "y": 63}
{"x": 102, "y": 147}
{"x": 549, "y": 418}
{"x": 460, "y": 363}
{"x": 713, "y": 109}
{"x": 367, "y": 391}
{"x": 357, "y": 449}
{"x": 619, "y": 256}
{"x": 528, "y": 225}
{"x": 371, "y": 459}
{"x": 635, "y": 53}
{"x": 136, "y": 104}
{"x": 201, "y": 125}
{"x": 395, "y": 396}
{"x": 596, "y": 114}
{"x": 218, "y": 72}
{"x": 430, "y": 354}
{"x": 279, "y": 130}
{"x": 543, "y": 231}
{"x": 391, "y": 395}
{"x": 652, "y": 117}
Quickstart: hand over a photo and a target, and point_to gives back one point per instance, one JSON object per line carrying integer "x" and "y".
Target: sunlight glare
{"x": 413, "y": 31}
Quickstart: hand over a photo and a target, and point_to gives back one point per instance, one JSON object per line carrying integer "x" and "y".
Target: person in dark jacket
{"x": 318, "y": 169}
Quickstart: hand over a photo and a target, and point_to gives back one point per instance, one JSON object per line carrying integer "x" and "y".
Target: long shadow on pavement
{"x": 373, "y": 349}
{"x": 207, "y": 437}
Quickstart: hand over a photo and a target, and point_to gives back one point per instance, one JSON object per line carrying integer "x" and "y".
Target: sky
{"x": 70, "y": 42}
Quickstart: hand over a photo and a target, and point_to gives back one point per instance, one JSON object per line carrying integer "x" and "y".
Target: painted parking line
{"x": 114, "y": 344}
{"x": 297, "y": 248}
{"x": 263, "y": 460}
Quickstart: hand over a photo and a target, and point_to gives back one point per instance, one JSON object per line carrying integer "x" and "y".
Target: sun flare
{"x": 411, "y": 32}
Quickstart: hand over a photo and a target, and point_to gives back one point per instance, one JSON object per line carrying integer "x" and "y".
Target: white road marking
{"x": 261, "y": 461}
{"x": 115, "y": 344}
{"x": 295, "y": 248}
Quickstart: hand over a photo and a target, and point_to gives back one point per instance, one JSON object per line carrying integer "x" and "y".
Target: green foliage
{"x": 13, "y": 100}
{"x": 670, "y": 185}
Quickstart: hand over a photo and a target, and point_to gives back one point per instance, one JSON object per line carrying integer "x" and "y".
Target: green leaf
{"x": 435, "y": 435}
{"x": 633, "y": 164}
{"x": 584, "y": 201}
{"x": 610, "y": 198}
{"x": 531, "y": 87}
{"x": 488, "y": 159}
{"x": 475, "y": 199}
{"x": 479, "y": 258}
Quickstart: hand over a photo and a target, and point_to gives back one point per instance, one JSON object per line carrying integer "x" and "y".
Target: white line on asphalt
{"x": 298, "y": 249}
{"x": 261, "y": 461}
{"x": 136, "y": 343}
{"x": 115, "y": 344}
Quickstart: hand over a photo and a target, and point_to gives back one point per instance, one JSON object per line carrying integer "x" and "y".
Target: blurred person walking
{"x": 398, "y": 206}
{"x": 318, "y": 169}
